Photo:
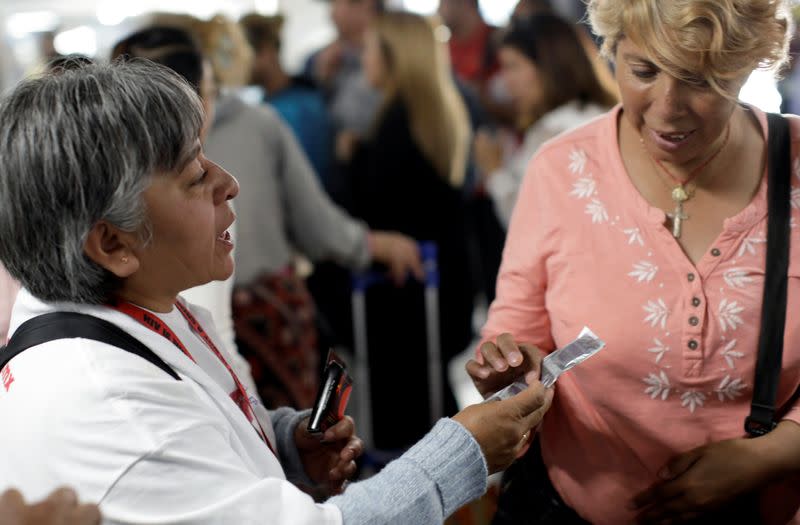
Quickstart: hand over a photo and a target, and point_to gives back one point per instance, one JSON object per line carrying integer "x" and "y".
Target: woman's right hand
{"x": 400, "y": 253}
{"x": 502, "y": 362}
{"x": 503, "y": 428}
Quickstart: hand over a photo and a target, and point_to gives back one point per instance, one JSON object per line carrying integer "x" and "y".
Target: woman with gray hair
{"x": 109, "y": 210}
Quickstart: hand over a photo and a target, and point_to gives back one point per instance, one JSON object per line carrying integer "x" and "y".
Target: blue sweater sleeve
{"x": 442, "y": 472}
{"x": 285, "y": 421}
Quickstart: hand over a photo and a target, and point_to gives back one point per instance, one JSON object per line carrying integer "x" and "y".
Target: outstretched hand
{"x": 503, "y": 429}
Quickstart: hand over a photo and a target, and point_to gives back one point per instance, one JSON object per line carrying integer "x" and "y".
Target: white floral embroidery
{"x": 797, "y": 167}
{"x": 583, "y": 188}
{"x": 644, "y": 271}
{"x": 793, "y": 222}
{"x": 656, "y": 313}
{"x": 577, "y": 161}
{"x": 634, "y": 236}
{"x": 692, "y": 399}
{"x": 597, "y": 211}
{"x": 729, "y": 315}
{"x": 658, "y": 385}
{"x": 730, "y": 355}
{"x": 659, "y": 349}
{"x": 737, "y": 278}
{"x": 730, "y": 389}
{"x": 796, "y": 198}
{"x": 749, "y": 245}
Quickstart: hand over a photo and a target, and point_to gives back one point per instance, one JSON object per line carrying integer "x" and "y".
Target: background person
{"x": 282, "y": 212}
{"x": 473, "y": 43}
{"x": 337, "y": 68}
{"x": 296, "y": 99}
{"x": 536, "y": 55}
{"x": 407, "y": 176}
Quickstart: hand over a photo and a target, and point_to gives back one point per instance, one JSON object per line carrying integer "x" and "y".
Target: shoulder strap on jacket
{"x": 773, "y": 309}
{"x": 68, "y": 325}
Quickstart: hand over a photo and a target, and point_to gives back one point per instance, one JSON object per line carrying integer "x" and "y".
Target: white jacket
{"x": 183, "y": 452}
{"x": 503, "y": 184}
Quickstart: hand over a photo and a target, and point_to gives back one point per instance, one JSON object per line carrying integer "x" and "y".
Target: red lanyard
{"x": 152, "y": 321}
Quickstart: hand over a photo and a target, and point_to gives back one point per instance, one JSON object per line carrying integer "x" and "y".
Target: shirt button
{"x": 715, "y": 252}
{"x": 694, "y": 321}
{"x": 692, "y": 344}
{"x": 695, "y": 301}
{"x": 690, "y": 277}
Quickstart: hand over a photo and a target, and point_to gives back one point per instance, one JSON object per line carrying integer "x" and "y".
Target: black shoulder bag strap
{"x": 69, "y": 325}
{"x": 773, "y": 310}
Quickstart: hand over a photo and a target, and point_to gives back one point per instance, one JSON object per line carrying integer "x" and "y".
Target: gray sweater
{"x": 281, "y": 207}
{"x": 443, "y": 471}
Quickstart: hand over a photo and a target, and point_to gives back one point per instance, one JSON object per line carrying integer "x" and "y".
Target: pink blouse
{"x": 585, "y": 248}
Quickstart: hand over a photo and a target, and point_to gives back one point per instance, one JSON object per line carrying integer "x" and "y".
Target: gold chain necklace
{"x": 683, "y": 190}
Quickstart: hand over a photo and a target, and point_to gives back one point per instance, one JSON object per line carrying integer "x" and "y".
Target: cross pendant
{"x": 677, "y": 219}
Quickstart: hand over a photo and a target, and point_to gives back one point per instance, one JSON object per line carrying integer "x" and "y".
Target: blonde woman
{"x": 407, "y": 176}
{"x": 648, "y": 226}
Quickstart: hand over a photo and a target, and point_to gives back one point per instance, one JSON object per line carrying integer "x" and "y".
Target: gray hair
{"x": 78, "y": 147}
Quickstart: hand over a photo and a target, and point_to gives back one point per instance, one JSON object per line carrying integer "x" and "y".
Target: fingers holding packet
{"x": 556, "y": 363}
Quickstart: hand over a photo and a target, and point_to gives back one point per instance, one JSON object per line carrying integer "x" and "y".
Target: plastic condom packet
{"x": 333, "y": 395}
{"x": 510, "y": 391}
{"x": 556, "y": 363}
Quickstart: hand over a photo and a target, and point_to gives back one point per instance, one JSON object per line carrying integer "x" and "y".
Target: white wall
{"x": 307, "y": 28}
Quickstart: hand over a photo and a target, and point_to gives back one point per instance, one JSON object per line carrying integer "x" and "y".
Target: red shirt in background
{"x": 474, "y": 58}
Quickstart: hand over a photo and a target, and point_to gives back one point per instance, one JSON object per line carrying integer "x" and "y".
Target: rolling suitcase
{"x": 361, "y": 283}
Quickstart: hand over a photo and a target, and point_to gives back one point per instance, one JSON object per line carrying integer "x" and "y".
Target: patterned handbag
{"x": 274, "y": 320}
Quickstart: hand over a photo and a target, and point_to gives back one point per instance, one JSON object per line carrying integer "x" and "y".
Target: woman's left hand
{"x": 329, "y": 460}
{"x": 703, "y": 480}
{"x": 488, "y": 154}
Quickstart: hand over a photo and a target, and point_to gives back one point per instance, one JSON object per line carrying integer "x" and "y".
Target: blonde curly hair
{"x": 715, "y": 41}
